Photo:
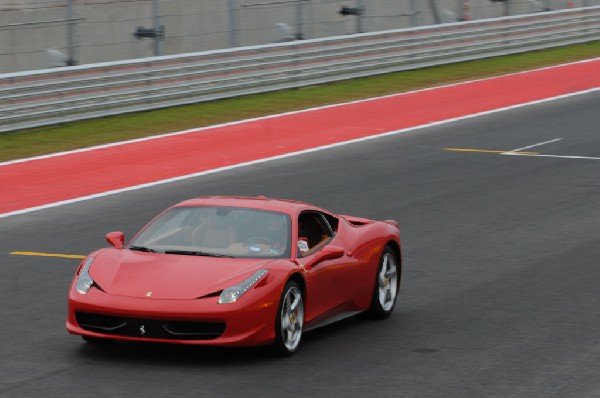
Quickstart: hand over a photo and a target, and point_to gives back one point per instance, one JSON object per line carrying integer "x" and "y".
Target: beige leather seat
{"x": 214, "y": 234}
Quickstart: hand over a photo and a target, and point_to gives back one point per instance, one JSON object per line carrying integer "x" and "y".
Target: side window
{"x": 313, "y": 233}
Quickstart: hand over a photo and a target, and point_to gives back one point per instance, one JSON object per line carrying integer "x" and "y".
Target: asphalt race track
{"x": 500, "y": 292}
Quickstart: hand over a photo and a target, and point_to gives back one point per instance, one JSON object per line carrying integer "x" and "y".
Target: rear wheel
{"x": 289, "y": 320}
{"x": 387, "y": 283}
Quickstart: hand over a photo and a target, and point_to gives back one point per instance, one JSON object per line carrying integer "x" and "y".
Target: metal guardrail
{"x": 52, "y": 96}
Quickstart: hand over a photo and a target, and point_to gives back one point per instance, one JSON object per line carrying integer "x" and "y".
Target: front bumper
{"x": 248, "y": 322}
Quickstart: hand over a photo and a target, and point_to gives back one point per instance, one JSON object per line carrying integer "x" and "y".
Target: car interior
{"x": 314, "y": 229}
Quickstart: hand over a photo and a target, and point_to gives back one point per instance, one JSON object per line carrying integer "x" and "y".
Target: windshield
{"x": 217, "y": 231}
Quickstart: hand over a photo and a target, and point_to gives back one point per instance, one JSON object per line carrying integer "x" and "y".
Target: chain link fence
{"x": 38, "y": 34}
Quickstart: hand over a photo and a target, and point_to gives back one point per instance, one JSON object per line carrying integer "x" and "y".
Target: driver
{"x": 277, "y": 231}
{"x": 273, "y": 237}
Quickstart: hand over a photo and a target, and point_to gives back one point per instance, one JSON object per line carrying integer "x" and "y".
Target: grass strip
{"x": 44, "y": 140}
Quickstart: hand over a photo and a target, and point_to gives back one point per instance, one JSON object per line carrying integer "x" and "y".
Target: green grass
{"x": 74, "y": 135}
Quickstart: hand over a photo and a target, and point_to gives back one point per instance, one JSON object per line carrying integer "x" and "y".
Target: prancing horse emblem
{"x": 142, "y": 330}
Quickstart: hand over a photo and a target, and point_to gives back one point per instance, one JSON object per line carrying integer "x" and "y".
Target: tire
{"x": 289, "y": 321}
{"x": 387, "y": 285}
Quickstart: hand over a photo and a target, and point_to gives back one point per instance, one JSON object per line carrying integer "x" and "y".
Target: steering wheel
{"x": 258, "y": 240}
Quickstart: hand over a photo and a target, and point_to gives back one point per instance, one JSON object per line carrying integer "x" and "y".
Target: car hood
{"x": 168, "y": 276}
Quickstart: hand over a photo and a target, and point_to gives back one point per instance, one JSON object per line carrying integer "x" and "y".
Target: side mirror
{"x": 326, "y": 253}
{"x": 116, "y": 239}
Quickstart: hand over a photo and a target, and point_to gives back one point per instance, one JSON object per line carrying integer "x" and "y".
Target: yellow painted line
{"x": 488, "y": 151}
{"x": 47, "y": 254}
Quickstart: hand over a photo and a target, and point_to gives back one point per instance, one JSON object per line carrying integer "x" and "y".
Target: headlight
{"x": 84, "y": 280}
{"x": 231, "y": 294}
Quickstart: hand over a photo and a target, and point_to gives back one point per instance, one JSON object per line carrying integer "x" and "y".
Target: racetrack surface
{"x": 499, "y": 295}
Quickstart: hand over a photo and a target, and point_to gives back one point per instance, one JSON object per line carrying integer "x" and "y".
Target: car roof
{"x": 259, "y": 202}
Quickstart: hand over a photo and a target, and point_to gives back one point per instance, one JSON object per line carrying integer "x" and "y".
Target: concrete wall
{"x": 104, "y": 28}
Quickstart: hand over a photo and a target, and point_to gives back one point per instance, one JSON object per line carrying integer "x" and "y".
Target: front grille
{"x": 150, "y": 328}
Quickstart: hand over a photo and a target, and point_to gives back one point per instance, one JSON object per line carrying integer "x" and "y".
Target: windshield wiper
{"x": 196, "y": 253}
{"x": 142, "y": 249}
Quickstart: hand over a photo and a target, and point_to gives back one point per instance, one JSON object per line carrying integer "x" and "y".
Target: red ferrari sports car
{"x": 236, "y": 271}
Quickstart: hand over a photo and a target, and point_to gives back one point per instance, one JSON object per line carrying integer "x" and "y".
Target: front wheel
{"x": 289, "y": 320}
{"x": 387, "y": 282}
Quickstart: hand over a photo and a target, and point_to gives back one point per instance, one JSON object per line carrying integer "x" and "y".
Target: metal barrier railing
{"x": 39, "y": 98}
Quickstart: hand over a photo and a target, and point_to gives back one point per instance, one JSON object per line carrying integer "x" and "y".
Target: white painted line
{"x": 548, "y": 156}
{"x": 291, "y": 154}
{"x": 530, "y": 146}
{"x": 515, "y": 152}
{"x": 197, "y": 130}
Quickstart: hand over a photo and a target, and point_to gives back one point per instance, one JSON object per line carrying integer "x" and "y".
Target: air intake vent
{"x": 150, "y": 328}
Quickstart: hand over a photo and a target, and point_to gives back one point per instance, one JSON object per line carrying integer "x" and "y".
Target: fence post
{"x": 299, "y": 20}
{"x": 359, "y": 22}
{"x": 70, "y": 34}
{"x": 157, "y": 30}
{"x": 233, "y": 42}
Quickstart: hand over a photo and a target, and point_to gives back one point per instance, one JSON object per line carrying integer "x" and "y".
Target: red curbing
{"x": 46, "y": 180}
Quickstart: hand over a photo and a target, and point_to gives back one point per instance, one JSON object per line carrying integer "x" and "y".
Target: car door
{"x": 329, "y": 282}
